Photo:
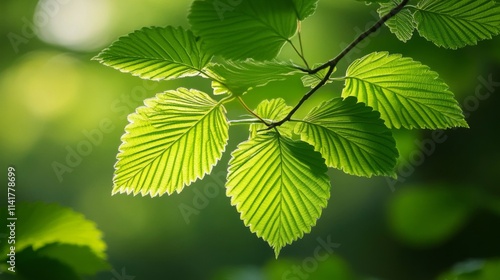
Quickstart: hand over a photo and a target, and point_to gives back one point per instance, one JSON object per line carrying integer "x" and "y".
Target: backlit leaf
{"x": 279, "y": 186}
{"x": 174, "y": 140}
{"x": 402, "y": 25}
{"x": 351, "y": 137}
{"x": 273, "y": 111}
{"x": 244, "y": 29}
{"x": 405, "y": 92}
{"x": 457, "y": 23}
{"x": 238, "y": 77}
{"x": 157, "y": 53}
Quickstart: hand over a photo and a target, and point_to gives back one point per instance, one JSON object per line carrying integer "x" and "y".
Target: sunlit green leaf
{"x": 273, "y": 111}
{"x": 157, "y": 53}
{"x": 405, "y": 92}
{"x": 244, "y": 29}
{"x": 174, "y": 140}
{"x": 279, "y": 186}
{"x": 351, "y": 137}
{"x": 402, "y": 25}
{"x": 39, "y": 224}
{"x": 457, "y": 23}
{"x": 238, "y": 77}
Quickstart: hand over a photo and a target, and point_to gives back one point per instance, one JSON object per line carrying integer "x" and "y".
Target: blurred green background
{"x": 443, "y": 211}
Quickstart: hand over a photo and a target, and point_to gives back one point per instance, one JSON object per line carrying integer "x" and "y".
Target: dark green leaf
{"x": 244, "y": 29}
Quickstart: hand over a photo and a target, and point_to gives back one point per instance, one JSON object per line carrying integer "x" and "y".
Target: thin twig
{"x": 252, "y": 112}
{"x": 331, "y": 64}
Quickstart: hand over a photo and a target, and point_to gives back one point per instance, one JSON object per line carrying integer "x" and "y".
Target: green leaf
{"x": 305, "y": 8}
{"x": 351, "y": 137}
{"x": 474, "y": 269}
{"x": 457, "y": 23}
{"x": 402, "y": 25}
{"x": 405, "y": 92}
{"x": 279, "y": 186}
{"x": 81, "y": 259}
{"x": 273, "y": 111}
{"x": 39, "y": 224}
{"x": 174, "y": 140}
{"x": 157, "y": 53}
{"x": 244, "y": 29}
{"x": 429, "y": 216}
{"x": 312, "y": 80}
{"x": 238, "y": 77}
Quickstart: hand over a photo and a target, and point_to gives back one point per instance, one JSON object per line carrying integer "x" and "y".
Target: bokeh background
{"x": 444, "y": 210}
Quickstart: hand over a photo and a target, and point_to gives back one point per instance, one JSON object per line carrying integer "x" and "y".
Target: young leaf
{"x": 157, "y": 53}
{"x": 351, "y": 137}
{"x": 402, "y": 25}
{"x": 273, "y": 110}
{"x": 279, "y": 186}
{"x": 405, "y": 92}
{"x": 238, "y": 77}
{"x": 40, "y": 224}
{"x": 174, "y": 140}
{"x": 457, "y": 23}
{"x": 244, "y": 29}
{"x": 305, "y": 8}
{"x": 312, "y": 80}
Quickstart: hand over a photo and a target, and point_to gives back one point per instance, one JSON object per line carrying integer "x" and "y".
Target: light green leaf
{"x": 157, "y": 53}
{"x": 174, "y": 140}
{"x": 279, "y": 186}
{"x": 39, "y": 224}
{"x": 351, "y": 137}
{"x": 405, "y": 92}
{"x": 238, "y": 77}
{"x": 244, "y": 29}
{"x": 305, "y": 8}
{"x": 457, "y": 23}
{"x": 312, "y": 80}
{"x": 402, "y": 25}
{"x": 273, "y": 111}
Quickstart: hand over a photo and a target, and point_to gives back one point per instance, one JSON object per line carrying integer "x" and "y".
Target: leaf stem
{"x": 331, "y": 64}
{"x": 242, "y": 102}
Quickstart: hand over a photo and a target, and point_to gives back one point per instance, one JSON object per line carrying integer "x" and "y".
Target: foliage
{"x": 277, "y": 178}
{"x": 54, "y": 242}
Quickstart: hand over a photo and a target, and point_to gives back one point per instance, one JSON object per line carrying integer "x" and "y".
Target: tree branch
{"x": 331, "y": 64}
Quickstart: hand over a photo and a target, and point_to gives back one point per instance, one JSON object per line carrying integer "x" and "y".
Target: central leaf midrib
{"x": 158, "y": 60}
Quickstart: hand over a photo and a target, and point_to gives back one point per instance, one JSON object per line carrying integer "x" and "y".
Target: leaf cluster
{"x": 277, "y": 178}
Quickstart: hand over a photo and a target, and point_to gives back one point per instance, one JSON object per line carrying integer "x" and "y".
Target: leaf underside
{"x": 273, "y": 111}
{"x": 402, "y": 25}
{"x": 458, "y": 23}
{"x": 157, "y": 53}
